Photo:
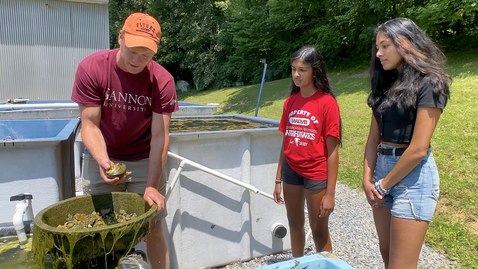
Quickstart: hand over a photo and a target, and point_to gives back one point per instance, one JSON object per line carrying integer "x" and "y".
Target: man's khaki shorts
{"x": 135, "y": 182}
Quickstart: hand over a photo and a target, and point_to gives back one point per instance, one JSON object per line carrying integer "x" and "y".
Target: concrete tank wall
{"x": 212, "y": 221}
{"x": 36, "y": 157}
{"x": 62, "y": 109}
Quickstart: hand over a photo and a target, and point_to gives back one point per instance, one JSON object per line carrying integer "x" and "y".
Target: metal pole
{"x": 260, "y": 92}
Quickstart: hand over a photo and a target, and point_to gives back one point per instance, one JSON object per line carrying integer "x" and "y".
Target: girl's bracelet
{"x": 278, "y": 181}
{"x": 380, "y": 189}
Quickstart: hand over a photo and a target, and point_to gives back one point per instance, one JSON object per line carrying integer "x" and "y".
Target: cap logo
{"x": 142, "y": 30}
{"x": 145, "y": 28}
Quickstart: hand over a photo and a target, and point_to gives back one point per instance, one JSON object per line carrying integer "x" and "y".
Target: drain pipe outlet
{"x": 279, "y": 231}
{"x": 22, "y": 208}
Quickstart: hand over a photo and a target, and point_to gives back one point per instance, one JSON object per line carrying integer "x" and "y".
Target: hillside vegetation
{"x": 454, "y": 229}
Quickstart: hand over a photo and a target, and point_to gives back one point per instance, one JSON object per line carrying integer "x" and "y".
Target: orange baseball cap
{"x": 142, "y": 30}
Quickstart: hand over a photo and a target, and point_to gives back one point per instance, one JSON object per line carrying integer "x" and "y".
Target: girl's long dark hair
{"x": 422, "y": 64}
{"x": 312, "y": 57}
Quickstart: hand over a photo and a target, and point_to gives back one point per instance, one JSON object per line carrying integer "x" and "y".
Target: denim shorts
{"x": 416, "y": 195}
{"x": 291, "y": 177}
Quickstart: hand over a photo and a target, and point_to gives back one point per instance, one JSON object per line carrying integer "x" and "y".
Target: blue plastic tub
{"x": 320, "y": 260}
{"x": 33, "y": 131}
{"x": 36, "y": 157}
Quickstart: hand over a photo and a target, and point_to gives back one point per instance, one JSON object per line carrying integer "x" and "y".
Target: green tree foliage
{"x": 454, "y": 24}
{"x": 118, "y": 11}
{"x": 247, "y": 24}
{"x": 193, "y": 45}
{"x": 217, "y": 43}
{"x": 274, "y": 29}
{"x": 348, "y": 28}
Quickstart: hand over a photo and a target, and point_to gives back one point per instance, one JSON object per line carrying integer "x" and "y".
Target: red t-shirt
{"x": 306, "y": 123}
{"x": 127, "y": 101}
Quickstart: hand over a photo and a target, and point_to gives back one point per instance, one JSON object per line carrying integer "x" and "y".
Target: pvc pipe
{"x": 29, "y": 211}
{"x": 220, "y": 175}
{"x": 175, "y": 179}
{"x": 20, "y": 209}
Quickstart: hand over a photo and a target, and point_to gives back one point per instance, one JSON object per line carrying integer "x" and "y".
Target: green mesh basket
{"x": 83, "y": 246}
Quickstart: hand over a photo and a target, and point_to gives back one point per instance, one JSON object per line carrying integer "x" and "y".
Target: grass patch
{"x": 454, "y": 229}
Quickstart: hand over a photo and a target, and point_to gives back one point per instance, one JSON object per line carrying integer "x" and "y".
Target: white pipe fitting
{"x": 29, "y": 211}
{"x": 279, "y": 231}
{"x": 20, "y": 210}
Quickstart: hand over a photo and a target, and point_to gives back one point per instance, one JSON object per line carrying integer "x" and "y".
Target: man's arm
{"x": 157, "y": 158}
{"x": 94, "y": 141}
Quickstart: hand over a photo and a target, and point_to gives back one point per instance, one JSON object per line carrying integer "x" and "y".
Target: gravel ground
{"x": 353, "y": 237}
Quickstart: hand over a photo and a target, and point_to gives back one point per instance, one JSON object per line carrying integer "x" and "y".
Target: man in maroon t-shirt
{"x": 126, "y": 101}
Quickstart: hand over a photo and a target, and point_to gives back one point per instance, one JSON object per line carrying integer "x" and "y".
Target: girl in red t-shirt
{"x": 308, "y": 162}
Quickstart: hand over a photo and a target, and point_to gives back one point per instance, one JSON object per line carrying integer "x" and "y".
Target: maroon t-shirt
{"x": 127, "y": 101}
